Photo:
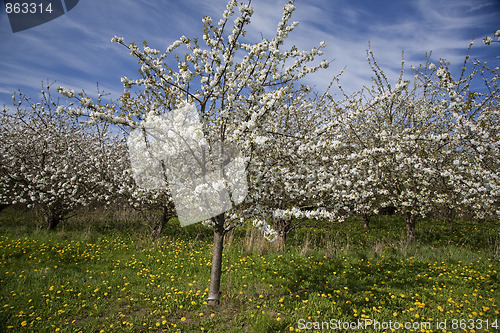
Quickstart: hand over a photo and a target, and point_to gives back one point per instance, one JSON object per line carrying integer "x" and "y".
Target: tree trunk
{"x": 411, "y": 234}
{"x": 3, "y": 206}
{"x": 366, "y": 221}
{"x": 282, "y": 227}
{"x": 52, "y": 219}
{"x": 450, "y": 216}
{"x": 215, "y": 276}
{"x": 164, "y": 218}
{"x": 281, "y": 241}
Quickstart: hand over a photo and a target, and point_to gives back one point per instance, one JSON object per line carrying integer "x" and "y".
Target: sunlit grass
{"x": 120, "y": 281}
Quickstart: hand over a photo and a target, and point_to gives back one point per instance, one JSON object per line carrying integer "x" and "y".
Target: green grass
{"x": 100, "y": 272}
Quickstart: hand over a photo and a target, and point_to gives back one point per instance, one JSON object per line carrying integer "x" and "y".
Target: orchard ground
{"x": 100, "y": 272}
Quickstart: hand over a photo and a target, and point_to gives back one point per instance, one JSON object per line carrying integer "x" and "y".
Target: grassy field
{"x": 101, "y": 273}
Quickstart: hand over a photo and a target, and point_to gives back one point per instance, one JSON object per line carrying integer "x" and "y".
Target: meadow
{"x": 100, "y": 272}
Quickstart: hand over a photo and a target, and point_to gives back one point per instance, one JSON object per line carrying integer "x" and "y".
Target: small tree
{"x": 233, "y": 84}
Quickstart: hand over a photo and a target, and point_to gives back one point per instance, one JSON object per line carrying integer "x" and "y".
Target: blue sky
{"x": 75, "y": 49}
